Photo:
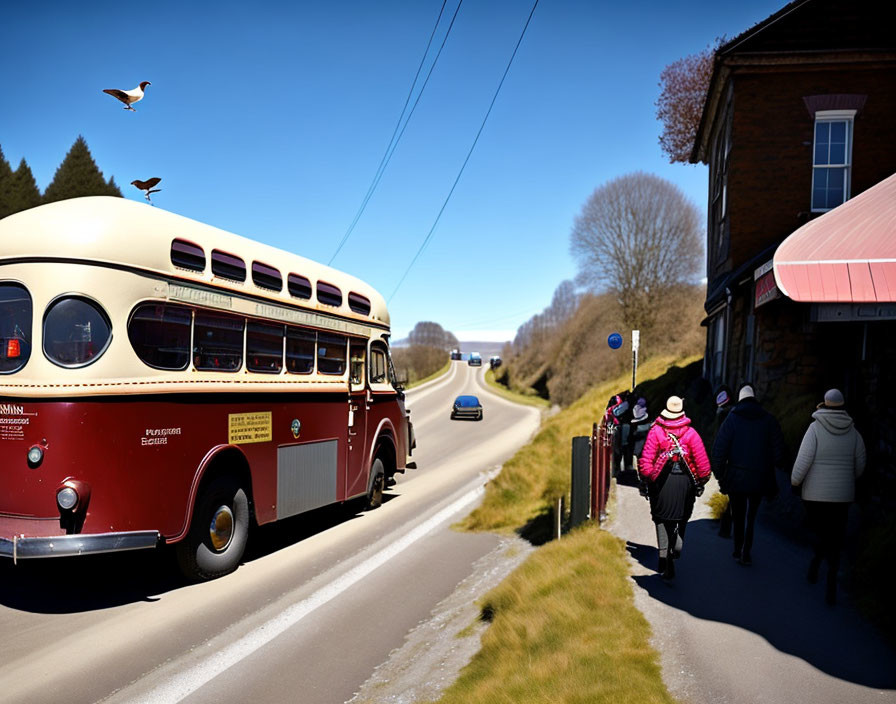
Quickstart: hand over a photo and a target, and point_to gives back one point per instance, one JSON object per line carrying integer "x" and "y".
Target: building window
{"x": 831, "y": 158}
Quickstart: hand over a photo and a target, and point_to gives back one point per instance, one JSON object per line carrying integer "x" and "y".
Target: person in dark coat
{"x": 619, "y": 414}
{"x": 745, "y": 453}
{"x": 637, "y": 434}
{"x": 724, "y": 404}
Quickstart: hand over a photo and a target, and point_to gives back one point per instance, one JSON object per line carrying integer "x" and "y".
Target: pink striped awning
{"x": 847, "y": 255}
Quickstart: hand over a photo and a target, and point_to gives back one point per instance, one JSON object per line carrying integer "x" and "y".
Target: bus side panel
{"x": 140, "y": 458}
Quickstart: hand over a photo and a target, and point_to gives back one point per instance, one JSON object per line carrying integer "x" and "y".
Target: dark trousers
{"x": 670, "y": 537}
{"x": 744, "y": 508}
{"x": 827, "y": 520}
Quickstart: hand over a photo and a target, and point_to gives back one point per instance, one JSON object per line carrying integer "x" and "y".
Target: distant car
{"x": 455, "y": 354}
{"x": 475, "y": 360}
{"x": 494, "y": 362}
{"x": 466, "y": 407}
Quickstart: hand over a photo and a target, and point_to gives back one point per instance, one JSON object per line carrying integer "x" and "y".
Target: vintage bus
{"x": 166, "y": 382}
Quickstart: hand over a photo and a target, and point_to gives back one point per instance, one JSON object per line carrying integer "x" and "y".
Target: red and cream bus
{"x": 164, "y": 381}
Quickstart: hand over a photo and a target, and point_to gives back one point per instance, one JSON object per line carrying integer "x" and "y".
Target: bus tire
{"x": 375, "y": 493}
{"x": 218, "y": 533}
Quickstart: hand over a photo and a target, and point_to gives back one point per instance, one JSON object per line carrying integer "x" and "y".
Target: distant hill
{"x": 485, "y": 349}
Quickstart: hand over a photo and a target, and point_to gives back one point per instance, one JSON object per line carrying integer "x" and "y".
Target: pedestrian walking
{"x": 618, "y": 415}
{"x": 637, "y": 434}
{"x": 724, "y": 405}
{"x": 748, "y": 447}
{"x": 830, "y": 459}
{"x": 675, "y": 464}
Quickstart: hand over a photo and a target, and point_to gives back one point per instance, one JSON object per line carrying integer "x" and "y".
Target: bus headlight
{"x": 67, "y": 498}
{"x": 35, "y": 456}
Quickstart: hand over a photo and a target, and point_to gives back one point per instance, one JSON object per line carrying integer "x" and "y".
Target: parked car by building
{"x": 466, "y": 407}
{"x": 475, "y": 359}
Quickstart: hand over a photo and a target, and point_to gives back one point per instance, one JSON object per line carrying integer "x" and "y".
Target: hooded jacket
{"x": 831, "y": 457}
{"x": 747, "y": 448}
{"x": 658, "y": 446}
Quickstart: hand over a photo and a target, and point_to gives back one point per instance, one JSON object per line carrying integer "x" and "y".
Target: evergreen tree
{"x": 112, "y": 188}
{"x": 78, "y": 175}
{"x": 24, "y": 193}
{"x": 5, "y": 186}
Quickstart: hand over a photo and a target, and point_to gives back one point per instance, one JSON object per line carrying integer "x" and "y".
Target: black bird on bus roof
{"x": 128, "y": 97}
{"x": 147, "y": 186}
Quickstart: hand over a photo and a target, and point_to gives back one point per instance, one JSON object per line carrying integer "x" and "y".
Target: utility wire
{"x": 393, "y": 141}
{"x": 469, "y": 154}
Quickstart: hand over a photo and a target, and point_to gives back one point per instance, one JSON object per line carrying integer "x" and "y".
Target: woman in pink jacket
{"x": 676, "y": 467}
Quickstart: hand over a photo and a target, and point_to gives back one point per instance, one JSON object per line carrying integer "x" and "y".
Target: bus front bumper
{"x": 22, "y": 548}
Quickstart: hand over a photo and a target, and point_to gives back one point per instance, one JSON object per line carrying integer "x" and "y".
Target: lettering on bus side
{"x": 13, "y": 419}
{"x": 243, "y": 428}
{"x": 158, "y": 436}
{"x": 294, "y": 316}
{"x": 188, "y": 294}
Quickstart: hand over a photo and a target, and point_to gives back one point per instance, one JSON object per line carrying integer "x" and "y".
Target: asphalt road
{"x": 760, "y": 634}
{"x": 320, "y": 601}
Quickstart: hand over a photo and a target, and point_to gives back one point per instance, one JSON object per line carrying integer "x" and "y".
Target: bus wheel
{"x": 218, "y": 533}
{"x": 375, "y": 495}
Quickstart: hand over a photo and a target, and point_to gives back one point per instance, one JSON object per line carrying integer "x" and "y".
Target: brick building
{"x": 800, "y": 117}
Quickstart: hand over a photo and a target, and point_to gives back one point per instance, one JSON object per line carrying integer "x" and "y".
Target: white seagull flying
{"x": 128, "y": 97}
{"x": 147, "y": 186}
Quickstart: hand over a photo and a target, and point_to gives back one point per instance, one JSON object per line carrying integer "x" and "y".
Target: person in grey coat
{"x": 830, "y": 459}
{"x": 747, "y": 448}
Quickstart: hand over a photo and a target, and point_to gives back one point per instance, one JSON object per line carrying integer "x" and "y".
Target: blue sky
{"x": 269, "y": 119}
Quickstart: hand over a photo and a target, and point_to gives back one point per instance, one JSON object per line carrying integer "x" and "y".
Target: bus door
{"x": 358, "y": 407}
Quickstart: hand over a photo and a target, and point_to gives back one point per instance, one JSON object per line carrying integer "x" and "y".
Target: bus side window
{"x": 377, "y": 366}
{"x": 330, "y": 354}
{"x": 300, "y": 350}
{"x": 264, "y": 347}
{"x": 217, "y": 342}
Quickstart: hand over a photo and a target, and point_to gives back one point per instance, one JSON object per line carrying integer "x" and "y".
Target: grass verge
{"x": 522, "y": 497}
{"x": 564, "y": 628}
{"x": 525, "y": 399}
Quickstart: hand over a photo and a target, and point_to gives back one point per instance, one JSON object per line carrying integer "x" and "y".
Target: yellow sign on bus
{"x": 249, "y": 427}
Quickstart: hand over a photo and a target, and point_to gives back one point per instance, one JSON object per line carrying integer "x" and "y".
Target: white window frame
{"x": 830, "y": 116}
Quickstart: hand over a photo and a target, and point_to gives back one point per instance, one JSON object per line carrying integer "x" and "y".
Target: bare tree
{"x": 639, "y": 238}
{"x": 429, "y": 334}
{"x": 683, "y": 85}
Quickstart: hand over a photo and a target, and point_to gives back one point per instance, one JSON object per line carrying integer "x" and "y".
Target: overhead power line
{"x": 469, "y": 154}
{"x": 394, "y": 140}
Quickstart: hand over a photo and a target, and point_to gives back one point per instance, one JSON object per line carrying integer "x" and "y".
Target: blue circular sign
{"x": 615, "y": 341}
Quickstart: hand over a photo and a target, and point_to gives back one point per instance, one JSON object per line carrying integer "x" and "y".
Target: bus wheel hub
{"x": 221, "y": 528}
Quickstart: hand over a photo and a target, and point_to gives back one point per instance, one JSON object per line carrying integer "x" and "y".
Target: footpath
{"x": 758, "y": 634}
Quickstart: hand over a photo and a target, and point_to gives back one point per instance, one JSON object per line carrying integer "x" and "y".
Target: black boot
{"x": 661, "y": 565}
{"x": 669, "y": 571}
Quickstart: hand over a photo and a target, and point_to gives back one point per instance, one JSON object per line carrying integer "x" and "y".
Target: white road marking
{"x": 183, "y": 685}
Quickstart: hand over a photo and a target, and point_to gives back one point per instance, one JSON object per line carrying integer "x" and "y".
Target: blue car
{"x": 466, "y": 407}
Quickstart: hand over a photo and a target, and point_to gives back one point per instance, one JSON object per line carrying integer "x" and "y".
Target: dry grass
{"x": 564, "y": 628}
{"x": 522, "y": 497}
{"x": 527, "y": 399}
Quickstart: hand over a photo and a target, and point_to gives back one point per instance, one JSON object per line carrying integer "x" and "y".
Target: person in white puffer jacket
{"x": 830, "y": 459}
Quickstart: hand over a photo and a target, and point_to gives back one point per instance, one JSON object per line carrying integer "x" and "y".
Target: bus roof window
{"x": 266, "y": 276}
{"x": 329, "y": 294}
{"x": 187, "y": 255}
{"x": 358, "y": 303}
{"x": 299, "y": 286}
{"x": 228, "y": 266}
